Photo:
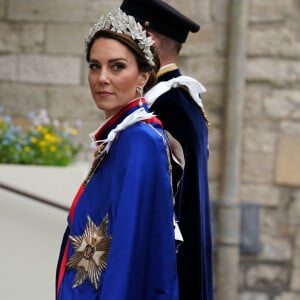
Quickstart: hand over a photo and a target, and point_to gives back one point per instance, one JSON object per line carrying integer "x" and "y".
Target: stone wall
{"x": 42, "y": 66}
{"x": 271, "y": 133}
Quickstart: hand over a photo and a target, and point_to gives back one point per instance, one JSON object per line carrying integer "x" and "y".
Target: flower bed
{"x": 40, "y": 141}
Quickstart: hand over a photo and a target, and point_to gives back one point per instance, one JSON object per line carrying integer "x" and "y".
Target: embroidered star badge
{"x": 90, "y": 253}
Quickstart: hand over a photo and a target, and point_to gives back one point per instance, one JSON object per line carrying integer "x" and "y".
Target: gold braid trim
{"x": 205, "y": 117}
{"x": 166, "y": 70}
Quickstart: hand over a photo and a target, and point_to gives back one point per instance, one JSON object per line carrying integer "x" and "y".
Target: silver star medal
{"x": 91, "y": 252}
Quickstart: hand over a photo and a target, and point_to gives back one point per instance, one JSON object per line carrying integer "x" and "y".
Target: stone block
{"x": 9, "y": 38}
{"x": 266, "y": 277}
{"x": 46, "y": 69}
{"x": 295, "y": 276}
{"x": 275, "y": 249}
{"x": 268, "y": 10}
{"x": 8, "y": 67}
{"x": 290, "y": 127}
{"x": 16, "y": 38}
{"x": 263, "y": 195}
{"x": 293, "y": 209}
{"x": 20, "y": 99}
{"x": 208, "y": 69}
{"x": 48, "y": 11}
{"x": 273, "y": 42}
{"x": 259, "y": 141}
{"x": 257, "y": 167}
{"x": 214, "y": 164}
{"x": 32, "y": 37}
{"x": 269, "y": 221}
{"x": 71, "y": 102}
{"x": 295, "y": 280}
{"x": 254, "y": 102}
{"x": 282, "y": 104}
{"x": 85, "y": 67}
{"x": 215, "y": 120}
{"x": 288, "y": 296}
{"x": 288, "y": 161}
{"x": 213, "y": 99}
{"x": 214, "y": 190}
{"x": 253, "y": 296}
{"x": 95, "y": 8}
{"x": 2, "y": 8}
{"x": 277, "y": 72}
{"x": 198, "y": 11}
{"x": 220, "y": 11}
{"x": 220, "y": 38}
{"x": 214, "y": 137}
{"x": 66, "y": 38}
{"x": 296, "y": 261}
{"x": 201, "y": 42}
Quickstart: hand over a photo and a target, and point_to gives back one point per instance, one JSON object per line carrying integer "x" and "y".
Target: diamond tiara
{"x": 118, "y": 21}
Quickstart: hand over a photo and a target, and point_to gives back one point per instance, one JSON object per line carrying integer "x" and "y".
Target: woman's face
{"x": 113, "y": 75}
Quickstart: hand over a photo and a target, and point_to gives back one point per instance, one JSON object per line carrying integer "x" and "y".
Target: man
{"x": 177, "y": 103}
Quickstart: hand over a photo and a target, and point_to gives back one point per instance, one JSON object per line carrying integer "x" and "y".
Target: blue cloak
{"x": 132, "y": 187}
{"x": 184, "y": 119}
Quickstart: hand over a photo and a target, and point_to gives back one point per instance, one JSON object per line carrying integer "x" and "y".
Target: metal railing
{"x": 32, "y": 196}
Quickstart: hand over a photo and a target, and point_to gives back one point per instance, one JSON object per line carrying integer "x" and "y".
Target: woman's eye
{"x": 93, "y": 67}
{"x": 118, "y": 66}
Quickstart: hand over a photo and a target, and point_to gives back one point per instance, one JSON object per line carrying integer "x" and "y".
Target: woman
{"x": 120, "y": 244}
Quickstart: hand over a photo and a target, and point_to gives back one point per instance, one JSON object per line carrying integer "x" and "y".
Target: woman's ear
{"x": 144, "y": 77}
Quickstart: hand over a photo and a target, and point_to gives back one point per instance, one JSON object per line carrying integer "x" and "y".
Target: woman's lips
{"x": 103, "y": 93}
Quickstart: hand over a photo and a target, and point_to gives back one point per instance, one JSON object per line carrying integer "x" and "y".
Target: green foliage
{"x": 43, "y": 142}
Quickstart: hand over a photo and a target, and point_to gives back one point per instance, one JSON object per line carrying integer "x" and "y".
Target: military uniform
{"x": 184, "y": 117}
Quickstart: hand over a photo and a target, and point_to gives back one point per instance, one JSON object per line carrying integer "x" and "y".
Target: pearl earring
{"x": 139, "y": 90}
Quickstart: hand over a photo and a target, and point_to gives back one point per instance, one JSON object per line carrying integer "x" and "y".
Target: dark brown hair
{"x": 142, "y": 62}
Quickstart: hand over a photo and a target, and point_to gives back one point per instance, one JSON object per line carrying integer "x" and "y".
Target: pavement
{"x": 31, "y": 231}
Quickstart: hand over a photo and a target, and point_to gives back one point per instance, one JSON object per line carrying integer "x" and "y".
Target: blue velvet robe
{"x": 183, "y": 118}
{"x": 132, "y": 185}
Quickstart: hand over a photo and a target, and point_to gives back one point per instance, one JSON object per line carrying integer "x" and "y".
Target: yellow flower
{"x": 33, "y": 140}
{"x": 53, "y": 148}
{"x": 74, "y": 131}
{"x": 39, "y": 128}
{"x": 26, "y": 149}
{"x": 50, "y": 138}
{"x": 42, "y": 144}
{"x": 45, "y": 130}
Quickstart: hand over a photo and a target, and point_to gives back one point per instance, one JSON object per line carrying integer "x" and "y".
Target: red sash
{"x": 63, "y": 264}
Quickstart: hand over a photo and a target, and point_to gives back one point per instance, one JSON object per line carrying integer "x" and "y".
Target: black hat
{"x": 161, "y": 17}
